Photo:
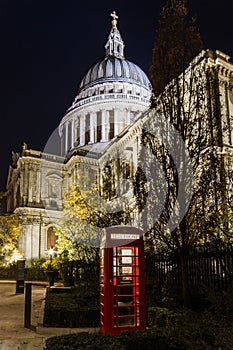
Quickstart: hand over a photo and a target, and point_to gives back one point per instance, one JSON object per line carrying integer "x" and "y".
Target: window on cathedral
{"x": 78, "y": 133}
{"x": 111, "y": 122}
{"x": 99, "y": 124}
{"x": 69, "y": 136}
{"x": 126, "y": 174}
{"x": 108, "y": 189}
{"x": 51, "y": 238}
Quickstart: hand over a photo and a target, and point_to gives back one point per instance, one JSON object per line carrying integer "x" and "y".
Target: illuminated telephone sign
{"x": 122, "y": 280}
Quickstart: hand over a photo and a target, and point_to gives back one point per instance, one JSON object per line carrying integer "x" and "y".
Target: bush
{"x": 140, "y": 340}
{"x": 185, "y": 329}
{"x": 84, "y": 341}
{"x": 8, "y": 271}
{"x": 80, "y": 308}
{"x": 180, "y": 329}
{"x": 34, "y": 270}
{"x": 143, "y": 340}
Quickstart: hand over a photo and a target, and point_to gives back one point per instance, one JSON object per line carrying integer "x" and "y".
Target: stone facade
{"x": 100, "y": 132}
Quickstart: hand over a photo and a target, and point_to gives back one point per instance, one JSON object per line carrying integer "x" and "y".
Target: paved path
{"x": 13, "y": 334}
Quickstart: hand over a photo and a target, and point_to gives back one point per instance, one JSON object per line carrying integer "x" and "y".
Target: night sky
{"x": 48, "y": 46}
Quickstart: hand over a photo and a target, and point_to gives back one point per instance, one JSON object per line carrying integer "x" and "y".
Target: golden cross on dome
{"x": 115, "y": 17}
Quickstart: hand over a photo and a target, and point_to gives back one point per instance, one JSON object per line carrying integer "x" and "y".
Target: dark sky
{"x": 47, "y": 47}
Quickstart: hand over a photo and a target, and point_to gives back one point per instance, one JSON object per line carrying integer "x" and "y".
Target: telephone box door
{"x": 122, "y": 284}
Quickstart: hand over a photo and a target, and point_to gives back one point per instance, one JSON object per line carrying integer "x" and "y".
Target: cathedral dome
{"x": 109, "y": 97}
{"x": 115, "y": 69}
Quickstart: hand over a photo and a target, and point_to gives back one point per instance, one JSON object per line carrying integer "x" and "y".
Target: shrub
{"x": 84, "y": 341}
{"x": 143, "y": 340}
{"x": 8, "y": 271}
{"x": 186, "y": 329}
{"x": 34, "y": 270}
{"x": 80, "y": 308}
{"x": 181, "y": 330}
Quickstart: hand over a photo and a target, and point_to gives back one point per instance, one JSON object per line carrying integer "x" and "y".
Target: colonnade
{"x": 99, "y": 126}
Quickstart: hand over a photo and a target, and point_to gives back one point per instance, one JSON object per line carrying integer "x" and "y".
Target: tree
{"x": 2, "y": 195}
{"x": 9, "y": 236}
{"x": 187, "y": 103}
{"x": 178, "y": 42}
{"x": 78, "y": 231}
{"x": 84, "y": 215}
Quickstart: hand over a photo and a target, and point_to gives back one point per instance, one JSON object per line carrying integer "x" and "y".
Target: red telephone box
{"x": 122, "y": 280}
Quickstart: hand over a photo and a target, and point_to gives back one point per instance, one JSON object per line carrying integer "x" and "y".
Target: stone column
{"x": 122, "y": 119}
{"x": 72, "y": 133}
{"x": 116, "y": 122}
{"x": 105, "y": 126}
{"x": 38, "y": 192}
{"x": 82, "y": 130}
{"x": 66, "y": 137}
{"x": 77, "y": 131}
{"x": 62, "y": 140}
{"x": 127, "y": 111}
{"x": 93, "y": 122}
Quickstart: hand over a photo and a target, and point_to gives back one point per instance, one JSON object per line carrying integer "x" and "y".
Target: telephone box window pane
{"x": 125, "y": 300}
{"x": 129, "y": 321}
{"x": 125, "y": 290}
{"x": 126, "y": 311}
{"x": 114, "y": 267}
{"x": 127, "y": 252}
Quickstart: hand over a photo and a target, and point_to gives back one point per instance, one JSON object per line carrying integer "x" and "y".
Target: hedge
{"x": 140, "y": 340}
{"x": 79, "y": 308}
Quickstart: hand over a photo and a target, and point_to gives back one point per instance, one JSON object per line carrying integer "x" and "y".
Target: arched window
{"x": 51, "y": 238}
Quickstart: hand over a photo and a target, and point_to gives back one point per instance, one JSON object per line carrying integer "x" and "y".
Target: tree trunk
{"x": 184, "y": 276}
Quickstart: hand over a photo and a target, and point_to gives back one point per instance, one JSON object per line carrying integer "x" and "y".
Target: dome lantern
{"x": 115, "y": 45}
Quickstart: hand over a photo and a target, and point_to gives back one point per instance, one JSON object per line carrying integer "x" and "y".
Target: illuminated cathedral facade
{"x": 100, "y": 133}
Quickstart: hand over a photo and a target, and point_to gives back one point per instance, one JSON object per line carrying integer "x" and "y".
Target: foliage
{"x": 51, "y": 264}
{"x": 178, "y": 330}
{"x": 9, "y": 236}
{"x": 8, "y": 271}
{"x": 80, "y": 308}
{"x": 79, "y": 232}
{"x": 34, "y": 270}
{"x": 2, "y": 195}
{"x": 221, "y": 222}
{"x": 205, "y": 328}
{"x": 209, "y": 327}
{"x": 178, "y": 42}
{"x": 186, "y": 140}
{"x": 84, "y": 341}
